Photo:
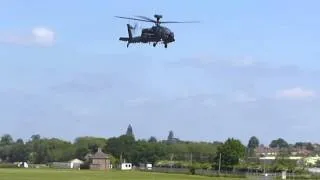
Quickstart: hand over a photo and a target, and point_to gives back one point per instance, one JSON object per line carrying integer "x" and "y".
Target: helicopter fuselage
{"x": 157, "y": 34}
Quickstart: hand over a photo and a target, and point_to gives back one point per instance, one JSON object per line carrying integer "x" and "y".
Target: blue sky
{"x": 249, "y": 68}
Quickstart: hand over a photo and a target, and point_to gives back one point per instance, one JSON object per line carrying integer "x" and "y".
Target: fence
{"x": 202, "y": 172}
{"x": 60, "y": 165}
{"x": 208, "y": 172}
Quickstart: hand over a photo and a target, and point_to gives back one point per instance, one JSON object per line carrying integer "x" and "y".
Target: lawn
{"x": 49, "y": 174}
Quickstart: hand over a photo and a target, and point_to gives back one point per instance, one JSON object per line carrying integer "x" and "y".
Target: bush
{"x": 192, "y": 170}
{"x": 8, "y": 166}
{"x": 205, "y": 166}
{"x": 236, "y": 176}
{"x": 85, "y": 166}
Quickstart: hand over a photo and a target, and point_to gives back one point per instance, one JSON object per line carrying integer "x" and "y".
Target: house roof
{"x": 99, "y": 155}
{"x": 76, "y": 161}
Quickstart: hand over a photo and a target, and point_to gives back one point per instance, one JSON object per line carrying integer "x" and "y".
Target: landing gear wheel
{"x": 165, "y": 45}
{"x": 154, "y": 44}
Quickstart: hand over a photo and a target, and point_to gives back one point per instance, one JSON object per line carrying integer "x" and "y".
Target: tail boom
{"x": 137, "y": 39}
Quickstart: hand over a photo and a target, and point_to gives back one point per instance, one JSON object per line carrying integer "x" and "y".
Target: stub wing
{"x": 130, "y": 40}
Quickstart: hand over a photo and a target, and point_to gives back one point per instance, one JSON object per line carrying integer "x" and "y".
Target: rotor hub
{"x": 158, "y": 17}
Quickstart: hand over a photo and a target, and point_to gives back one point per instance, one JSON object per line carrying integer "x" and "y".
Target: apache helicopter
{"x": 156, "y": 34}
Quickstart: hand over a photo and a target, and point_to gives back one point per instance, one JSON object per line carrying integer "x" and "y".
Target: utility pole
{"x": 171, "y": 158}
{"x": 264, "y": 166}
{"x": 120, "y": 160}
{"x": 219, "y": 163}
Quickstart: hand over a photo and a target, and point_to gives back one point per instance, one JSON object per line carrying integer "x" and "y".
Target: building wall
{"x": 100, "y": 164}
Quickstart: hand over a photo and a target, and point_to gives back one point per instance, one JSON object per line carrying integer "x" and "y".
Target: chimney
{"x": 99, "y": 150}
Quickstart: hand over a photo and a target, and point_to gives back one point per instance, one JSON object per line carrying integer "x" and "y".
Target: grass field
{"x": 45, "y": 174}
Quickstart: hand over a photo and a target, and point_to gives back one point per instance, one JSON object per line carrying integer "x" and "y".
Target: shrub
{"x": 85, "y": 166}
{"x": 192, "y": 170}
{"x": 8, "y": 166}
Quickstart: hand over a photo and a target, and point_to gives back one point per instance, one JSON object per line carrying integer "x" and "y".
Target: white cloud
{"x": 295, "y": 93}
{"x": 37, "y": 36}
{"x": 242, "y": 97}
{"x": 43, "y": 35}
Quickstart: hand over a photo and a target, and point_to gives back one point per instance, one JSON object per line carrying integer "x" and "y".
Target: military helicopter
{"x": 156, "y": 34}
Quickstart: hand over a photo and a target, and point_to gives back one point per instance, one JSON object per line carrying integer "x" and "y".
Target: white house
{"x": 75, "y": 163}
{"x": 126, "y": 166}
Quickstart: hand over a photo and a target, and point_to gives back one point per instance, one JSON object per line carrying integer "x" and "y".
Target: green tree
{"x": 145, "y": 152}
{"x": 58, "y": 150}
{"x": 87, "y": 144}
{"x": 5, "y": 152}
{"x": 307, "y": 145}
{"x": 281, "y": 164}
{"x": 279, "y": 143}
{"x": 121, "y": 147}
{"x": 19, "y": 152}
{"x": 81, "y": 152}
{"x": 252, "y": 145}
{"x": 19, "y": 141}
{"x": 152, "y": 139}
{"x": 231, "y": 152}
{"x": 35, "y": 137}
{"x": 38, "y": 153}
{"x": 6, "y": 139}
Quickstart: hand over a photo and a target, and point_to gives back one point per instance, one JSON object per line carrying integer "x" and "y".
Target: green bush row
{"x": 304, "y": 177}
{"x": 8, "y": 166}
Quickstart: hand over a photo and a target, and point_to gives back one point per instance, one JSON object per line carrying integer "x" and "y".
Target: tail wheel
{"x": 165, "y": 45}
{"x": 154, "y": 44}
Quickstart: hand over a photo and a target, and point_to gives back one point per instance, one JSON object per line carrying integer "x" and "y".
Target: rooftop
{"x": 99, "y": 155}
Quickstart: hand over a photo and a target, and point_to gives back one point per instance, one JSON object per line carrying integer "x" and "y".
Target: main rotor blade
{"x": 146, "y": 18}
{"x": 166, "y": 22}
{"x": 132, "y": 19}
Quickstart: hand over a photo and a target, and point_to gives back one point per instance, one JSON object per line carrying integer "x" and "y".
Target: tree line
{"x": 39, "y": 150}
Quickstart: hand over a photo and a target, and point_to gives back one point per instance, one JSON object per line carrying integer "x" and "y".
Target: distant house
{"x": 75, "y": 163}
{"x": 300, "y": 151}
{"x": 266, "y": 151}
{"x": 99, "y": 160}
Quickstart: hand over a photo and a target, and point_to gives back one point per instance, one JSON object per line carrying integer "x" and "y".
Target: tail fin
{"x": 128, "y": 39}
{"x": 129, "y": 31}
